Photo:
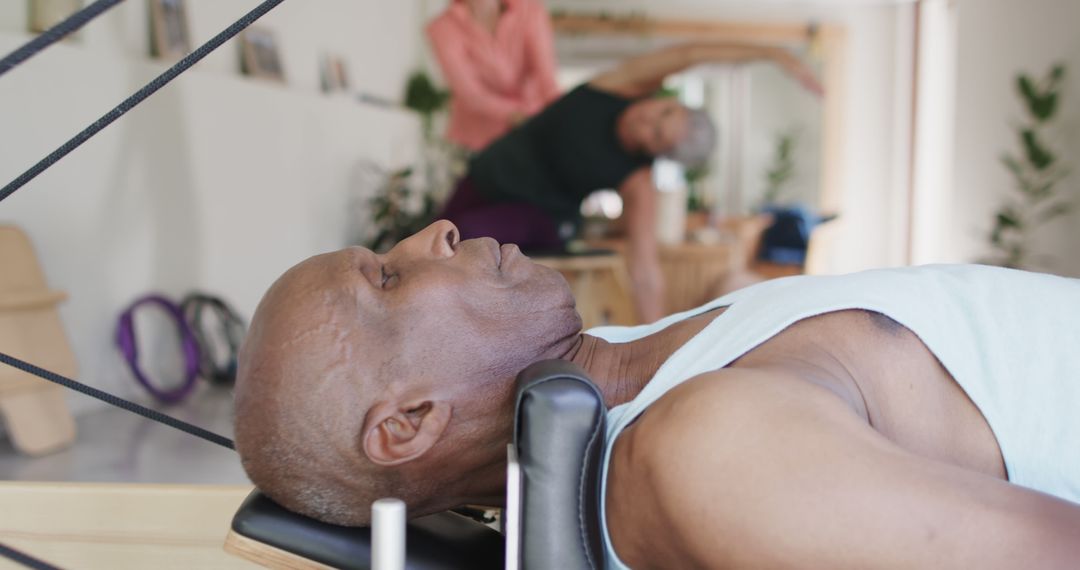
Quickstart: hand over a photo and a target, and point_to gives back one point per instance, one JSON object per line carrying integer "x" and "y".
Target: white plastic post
{"x": 511, "y": 523}
{"x": 388, "y": 534}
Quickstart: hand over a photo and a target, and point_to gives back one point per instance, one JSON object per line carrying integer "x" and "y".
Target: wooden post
{"x": 34, "y": 411}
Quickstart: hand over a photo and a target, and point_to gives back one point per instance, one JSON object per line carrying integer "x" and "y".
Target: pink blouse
{"x": 494, "y": 78}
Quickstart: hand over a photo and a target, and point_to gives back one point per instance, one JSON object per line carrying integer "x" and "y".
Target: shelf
{"x": 151, "y": 67}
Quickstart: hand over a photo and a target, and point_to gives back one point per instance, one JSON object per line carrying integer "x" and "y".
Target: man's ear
{"x": 398, "y": 433}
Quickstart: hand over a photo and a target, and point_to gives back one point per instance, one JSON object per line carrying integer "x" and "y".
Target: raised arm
{"x": 642, "y": 75}
{"x": 643, "y": 257}
{"x": 744, "y": 468}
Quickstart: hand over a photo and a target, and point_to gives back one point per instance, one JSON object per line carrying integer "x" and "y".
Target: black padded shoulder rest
{"x": 559, "y": 435}
{"x": 444, "y": 541}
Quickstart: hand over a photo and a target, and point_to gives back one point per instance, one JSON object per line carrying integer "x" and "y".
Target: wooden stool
{"x": 35, "y": 412}
{"x": 601, "y": 287}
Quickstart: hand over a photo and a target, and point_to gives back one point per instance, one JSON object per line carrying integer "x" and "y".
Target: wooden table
{"x": 120, "y": 526}
{"x": 600, "y": 285}
{"x": 693, "y": 272}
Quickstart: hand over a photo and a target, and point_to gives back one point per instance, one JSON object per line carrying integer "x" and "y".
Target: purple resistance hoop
{"x": 125, "y": 341}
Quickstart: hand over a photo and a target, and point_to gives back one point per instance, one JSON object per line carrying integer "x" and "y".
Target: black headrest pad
{"x": 444, "y": 541}
{"x": 559, "y": 435}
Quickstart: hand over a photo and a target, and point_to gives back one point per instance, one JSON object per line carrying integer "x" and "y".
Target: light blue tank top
{"x": 1010, "y": 339}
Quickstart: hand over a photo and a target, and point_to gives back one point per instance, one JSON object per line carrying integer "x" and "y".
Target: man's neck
{"x": 621, "y": 370}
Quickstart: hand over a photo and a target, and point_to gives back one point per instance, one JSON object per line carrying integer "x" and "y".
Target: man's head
{"x": 662, "y": 126}
{"x": 366, "y": 375}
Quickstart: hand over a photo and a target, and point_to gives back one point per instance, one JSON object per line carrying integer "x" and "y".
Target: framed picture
{"x": 169, "y": 35}
{"x": 259, "y": 54}
{"x": 45, "y": 14}
{"x": 332, "y": 74}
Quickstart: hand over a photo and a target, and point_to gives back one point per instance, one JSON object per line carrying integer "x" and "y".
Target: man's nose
{"x": 441, "y": 238}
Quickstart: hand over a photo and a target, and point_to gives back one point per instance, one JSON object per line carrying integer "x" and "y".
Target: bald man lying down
{"x": 907, "y": 418}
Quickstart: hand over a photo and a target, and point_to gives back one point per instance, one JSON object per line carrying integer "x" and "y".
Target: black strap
{"x": 117, "y": 401}
{"x": 55, "y": 34}
{"x": 139, "y": 96}
{"x": 231, "y": 328}
{"x": 25, "y": 559}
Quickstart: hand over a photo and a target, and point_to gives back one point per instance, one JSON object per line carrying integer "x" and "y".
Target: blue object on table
{"x": 785, "y": 241}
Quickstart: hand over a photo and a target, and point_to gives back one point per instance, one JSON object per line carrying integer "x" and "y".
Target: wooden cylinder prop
{"x": 34, "y": 411}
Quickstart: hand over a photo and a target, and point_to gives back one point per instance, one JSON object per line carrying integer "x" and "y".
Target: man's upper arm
{"x": 638, "y": 193}
{"x": 639, "y": 219}
{"x": 752, "y": 469}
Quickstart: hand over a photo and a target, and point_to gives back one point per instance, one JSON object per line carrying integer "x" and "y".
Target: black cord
{"x": 139, "y": 96}
{"x": 25, "y": 559}
{"x": 55, "y": 34}
{"x": 117, "y": 401}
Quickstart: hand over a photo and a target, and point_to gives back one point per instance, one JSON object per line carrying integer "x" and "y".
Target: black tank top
{"x": 560, "y": 156}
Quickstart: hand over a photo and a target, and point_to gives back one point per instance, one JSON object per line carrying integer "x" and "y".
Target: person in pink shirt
{"x": 498, "y": 58}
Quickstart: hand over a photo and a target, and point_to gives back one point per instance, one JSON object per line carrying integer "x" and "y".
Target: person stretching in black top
{"x": 527, "y": 186}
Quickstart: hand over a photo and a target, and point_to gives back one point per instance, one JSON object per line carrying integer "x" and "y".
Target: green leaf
{"x": 1037, "y": 154}
{"x": 1057, "y": 73}
{"x": 1038, "y": 192}
{"x": 1045, "y": 107}
{"x": 995, "y": 236}
{"x": 1008, "y": 219}
{"x": 1026, "y": 87}
{"x": 1059, "y": 209}
{"x": 422, "y": 96}
{"x": 1041, "y": 105}
{"x": 665, "y": 92}
{"x": 1013, "y": 165}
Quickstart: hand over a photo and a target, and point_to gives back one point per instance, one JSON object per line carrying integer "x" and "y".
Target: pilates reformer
{"x": 551, "y": 518}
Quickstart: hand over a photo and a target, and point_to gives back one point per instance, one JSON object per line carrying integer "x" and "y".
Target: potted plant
{"x": 1036, "y": 172}
{"x": 782, "y": 169}
{"x": 399, "y": 209}
{"x": 406, "y": 200}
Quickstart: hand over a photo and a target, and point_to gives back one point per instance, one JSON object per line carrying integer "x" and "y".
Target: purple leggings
{"x": 519, "y": 223}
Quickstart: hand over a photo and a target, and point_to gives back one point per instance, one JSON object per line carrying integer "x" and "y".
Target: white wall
{"x": 218, "y": 182}
{"x": 997, "y": 39}
{"x": 871, "y": 231}
{"x": 778, "y": 105}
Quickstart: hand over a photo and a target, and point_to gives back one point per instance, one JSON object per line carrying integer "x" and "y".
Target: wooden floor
{"x": 120, "y": 526}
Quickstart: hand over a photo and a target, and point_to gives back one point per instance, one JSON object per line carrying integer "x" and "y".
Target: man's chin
{"x": 551, "y": 278}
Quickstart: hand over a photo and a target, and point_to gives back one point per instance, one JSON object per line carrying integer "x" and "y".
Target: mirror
{"x": 753, "y": 212}
{"x": 778, "y": 141}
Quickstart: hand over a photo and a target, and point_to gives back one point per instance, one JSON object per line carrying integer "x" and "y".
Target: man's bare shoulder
{"x": 709, "y": 411}
{"x": 701, "y": 449}
{"x": 755, "y": 467}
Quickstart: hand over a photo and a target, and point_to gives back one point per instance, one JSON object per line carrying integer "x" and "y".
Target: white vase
{"x": 670, "y": 179}
{"x": 671, "y": 216}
